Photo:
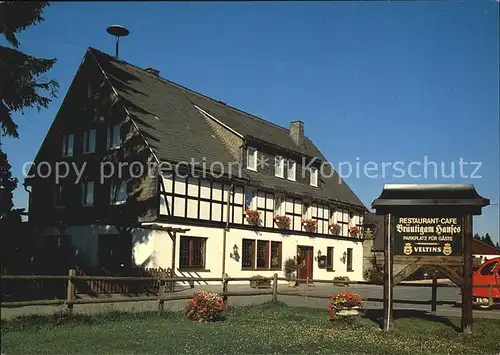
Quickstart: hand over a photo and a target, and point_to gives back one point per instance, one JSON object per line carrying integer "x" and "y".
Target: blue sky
{"x": 372, "y": 81}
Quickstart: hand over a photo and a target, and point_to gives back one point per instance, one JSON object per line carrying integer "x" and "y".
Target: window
{"x": 59, "y": 196}
{"x": 89, "y": 141}
{"x": 291, "y": 170}
{"x": 67, "y": 145}
{"x": 279, "y": 166}
{"x": 279, "y": 208}
{"x": 276, "y": 255}
{"x": 118, "y": 192}
{"x": 249, "y": 197}
{"x": 488, "y": 269}
{"x": 248, "y": 256}
{"x": 262, "y": 254}
{"x": 90, "y": 91}
{"x": 349, "y": 259}
{"x": 252, "y": 158}
{"x": 314, "y": 177}
{"x": 306, "y": 210}
{"x": 192, "y": 252}
{"x": 113, "y": 140}
{"x": 329, "y": 258}
{"x": 88, "y": 193}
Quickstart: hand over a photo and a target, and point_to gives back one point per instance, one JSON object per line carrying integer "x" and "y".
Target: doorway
{"x": 304, "y": 262}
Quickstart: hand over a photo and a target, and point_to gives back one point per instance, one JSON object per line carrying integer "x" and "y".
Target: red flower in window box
{"x": 334, "y": 228}
{"x": 282, "y": 222}
{"x": 354, "y": 231}
{"x": 253, "y": 216}
{"x": 310, "y": 225}
{"x": 348, "y": 302}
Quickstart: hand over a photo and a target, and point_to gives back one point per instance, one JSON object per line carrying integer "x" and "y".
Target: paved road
{"x": 403, "y": 293}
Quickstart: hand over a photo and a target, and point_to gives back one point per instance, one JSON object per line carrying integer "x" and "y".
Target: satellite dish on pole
{"x": 117, "y": 31}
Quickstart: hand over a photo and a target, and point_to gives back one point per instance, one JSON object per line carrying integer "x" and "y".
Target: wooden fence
{"x": 166, "y": 283}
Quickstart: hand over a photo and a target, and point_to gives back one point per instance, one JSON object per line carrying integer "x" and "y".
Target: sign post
{"x": 429, "y": 225}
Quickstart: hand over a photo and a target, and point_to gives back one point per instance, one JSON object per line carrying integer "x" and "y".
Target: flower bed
{"x": 253, "y": 216}
{"x": 344, "y": 304}
{"x": 205, "y": 307}
{"x": 282, "y": 222}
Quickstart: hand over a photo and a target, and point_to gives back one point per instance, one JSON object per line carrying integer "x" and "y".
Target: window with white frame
{"x": 67, "y": 145}
{"x": 89, "y": 141}
{"x": 279, "y": 166}
{"x": 313, "y": 176}
{"x": 291, "y": 169}
{"x": 113, "y": 139}
{"x": 118, "y": 192}
{"x": 252, "y": 158}
{"x": 88, "y": 193}
{"x": 250, "y": 197}
{"x": 279, "y": 205}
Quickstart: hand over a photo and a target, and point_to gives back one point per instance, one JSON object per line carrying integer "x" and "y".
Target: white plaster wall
{"x": 289, "y": 247}
{"x": 152, "y": 249}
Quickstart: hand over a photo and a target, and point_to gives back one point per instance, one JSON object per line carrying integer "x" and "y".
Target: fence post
{"x": 307, "y": 287}
{"x": 275, "y": 287}
{"x": 161, "y": 293}
{"x": 225, "y": 282}
{"x": 434, "y": 294}
{"x": 490, "y": 295}
{"x": 70, "y": 291}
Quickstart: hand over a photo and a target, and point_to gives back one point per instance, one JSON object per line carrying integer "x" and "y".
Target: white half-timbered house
{"x": 191, "y": 164}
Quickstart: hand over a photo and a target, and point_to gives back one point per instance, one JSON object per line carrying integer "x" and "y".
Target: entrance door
{"x": 304, "y": 262}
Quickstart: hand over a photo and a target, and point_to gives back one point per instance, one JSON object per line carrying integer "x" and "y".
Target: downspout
{"x": 25, "y": 184}
{"x": 224, "y": 232}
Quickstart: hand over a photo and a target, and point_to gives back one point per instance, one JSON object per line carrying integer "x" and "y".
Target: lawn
{"x": 258, "y": 329}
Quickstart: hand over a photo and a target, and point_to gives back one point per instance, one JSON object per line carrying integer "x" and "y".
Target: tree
{"x": 7, "y": 185}
{"x": 477, "y": 237}
{"x": 487, "y": 239}
{"x": 498, "y": 245}
{"x": 22, "y": 75}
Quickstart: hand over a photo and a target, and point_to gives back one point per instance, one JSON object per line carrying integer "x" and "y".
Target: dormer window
{"x": 279, "y": 166}
{"x": 67, "y": 145}
{"x": 252, "y": 158}
{"x": 89, "y": 141}
{"x": 88, "y": 193}
{"x": 114, "y": 140}
{"x": 313, "y": 177}
{"x": 291, "y": 168}
{"x": 118, "y": 193}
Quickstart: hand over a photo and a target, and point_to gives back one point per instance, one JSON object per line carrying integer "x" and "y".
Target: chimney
{"x": 297, "y": 132}
{"x": 153, "y": 71}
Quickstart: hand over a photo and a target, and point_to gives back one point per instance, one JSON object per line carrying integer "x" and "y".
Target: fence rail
{"x": 166, "y": 290}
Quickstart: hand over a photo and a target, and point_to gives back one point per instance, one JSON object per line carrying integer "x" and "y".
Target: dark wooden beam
{"x": 406, "y": 272}
{"x": 450, "y": 273}
{"x": 467, "y": 275}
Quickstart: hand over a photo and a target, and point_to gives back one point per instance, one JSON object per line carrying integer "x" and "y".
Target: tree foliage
{"x": 7, "y": 185}
{"x": 22, "y": 83}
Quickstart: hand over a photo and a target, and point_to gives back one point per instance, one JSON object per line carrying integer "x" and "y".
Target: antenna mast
{"x": 117, "y": 31}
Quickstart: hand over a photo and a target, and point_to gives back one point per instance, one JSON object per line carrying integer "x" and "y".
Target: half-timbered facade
{"x": 146, "y": 154}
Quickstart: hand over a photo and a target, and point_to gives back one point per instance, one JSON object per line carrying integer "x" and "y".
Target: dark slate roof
{"x": 166, "y": 116}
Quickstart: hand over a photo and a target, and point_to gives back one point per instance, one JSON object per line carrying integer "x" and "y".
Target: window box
{"x": 310, "y": 225}
{"x": 253, "y": 216}
{"x": 334, "y": 228}
{"x": 283, "y": 222}
{"x": 259, "y": 281}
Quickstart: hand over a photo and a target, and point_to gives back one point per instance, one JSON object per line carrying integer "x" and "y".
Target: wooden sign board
{"x": 428, "y": 236}
{"x": 429, "y": 225}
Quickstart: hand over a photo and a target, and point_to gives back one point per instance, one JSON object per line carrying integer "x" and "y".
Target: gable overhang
{"x": 462, "y": 198}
